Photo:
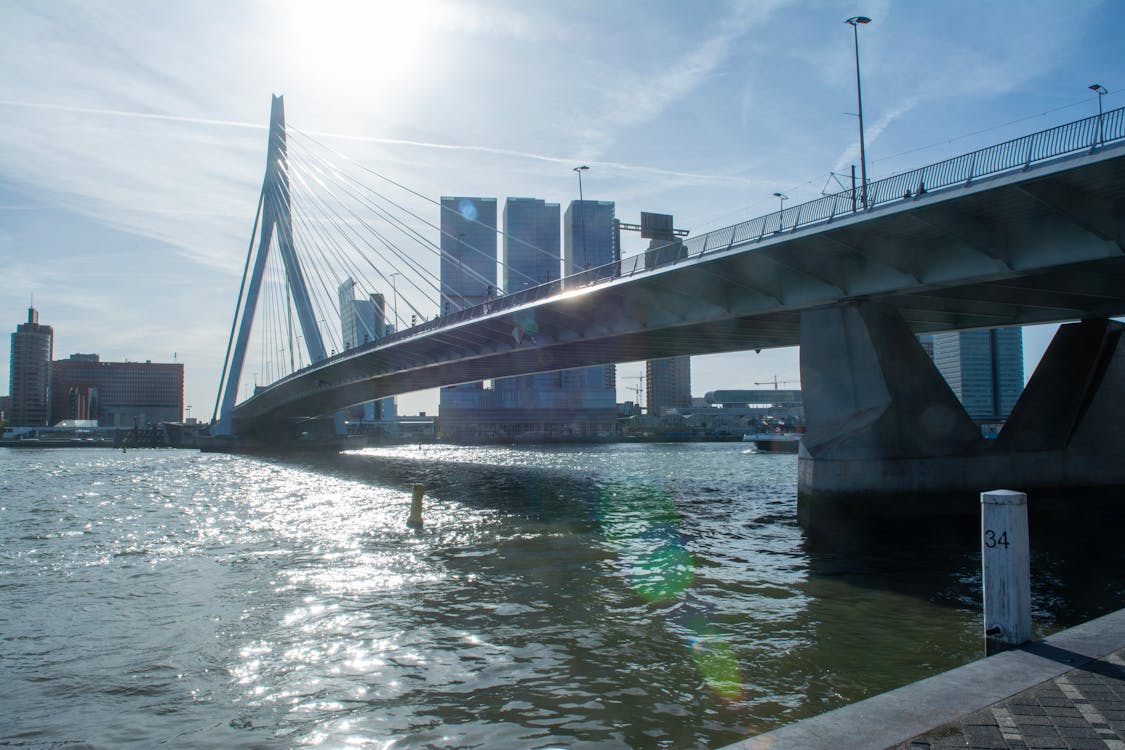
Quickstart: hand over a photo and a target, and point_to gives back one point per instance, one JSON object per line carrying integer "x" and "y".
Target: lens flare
{"x": 468, "y": 209}
{"x": 717, "y": 664}
{"x": 642, "y": 525}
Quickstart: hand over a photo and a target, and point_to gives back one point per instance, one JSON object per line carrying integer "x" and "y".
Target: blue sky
{"x": 132, "y": 134}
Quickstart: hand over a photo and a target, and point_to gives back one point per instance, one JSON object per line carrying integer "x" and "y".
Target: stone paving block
{"x": 1070, "y": 721}
{"x": 1027, "y": 709}
{"x": 1046, "y": 743}
{"x": 1067, "y": 712}
{"x": 1041, "y": 720}
{"x": 1085, "y": 745}
{"x": 984, "y": 736}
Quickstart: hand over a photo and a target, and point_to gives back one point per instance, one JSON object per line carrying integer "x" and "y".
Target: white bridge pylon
{"x": 276, "y": 219}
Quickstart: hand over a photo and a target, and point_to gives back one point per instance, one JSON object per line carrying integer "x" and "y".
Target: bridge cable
{"x": 323, "y": 205}
{"x": 415, "y": 193}
{"x": 441, "y": 253}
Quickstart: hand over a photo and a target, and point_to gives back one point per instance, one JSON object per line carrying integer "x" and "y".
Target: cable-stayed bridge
{"x": 1027, "y": 231}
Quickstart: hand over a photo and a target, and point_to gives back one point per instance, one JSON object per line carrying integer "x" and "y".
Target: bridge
{"x": 1024, "y": 232}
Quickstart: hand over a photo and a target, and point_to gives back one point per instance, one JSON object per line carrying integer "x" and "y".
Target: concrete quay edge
{"x": 886, "y": 720}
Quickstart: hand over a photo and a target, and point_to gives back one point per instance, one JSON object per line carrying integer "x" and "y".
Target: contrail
{"x": 390, "y": 141}
{"x": 138, "y": 115}
{"x": 528, "y": 155}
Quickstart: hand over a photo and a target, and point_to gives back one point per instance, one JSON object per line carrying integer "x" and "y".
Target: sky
{"x": 133, "y": 134}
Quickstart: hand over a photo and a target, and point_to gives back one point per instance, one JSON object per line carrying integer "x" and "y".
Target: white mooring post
{"x": 1006, "y": 569}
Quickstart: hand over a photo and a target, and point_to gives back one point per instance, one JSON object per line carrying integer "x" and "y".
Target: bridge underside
{"x": 489, "y": 348}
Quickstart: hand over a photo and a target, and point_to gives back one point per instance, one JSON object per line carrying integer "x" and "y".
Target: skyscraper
{"x": 363, "y": 321}
{"x": 531, "y": 243}
{"x": 590, "y": 242}
{"x": 468, "y": 251}
{"x": 30, "y": 373}
{"x": 668, "y": 380}
{"x": 468, "y": 277}
{"x": 984, "y": 368}
{"x": 531, "y": 257}
{"x": 588, "y": 237}
{"x": 575, "y": 404}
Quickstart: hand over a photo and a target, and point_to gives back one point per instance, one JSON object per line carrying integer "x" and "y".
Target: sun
{"x": 370, "y": 48}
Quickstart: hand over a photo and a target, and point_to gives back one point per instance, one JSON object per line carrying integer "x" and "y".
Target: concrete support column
{"x": 877, "y": 414}
{"x": 888, "y": 442}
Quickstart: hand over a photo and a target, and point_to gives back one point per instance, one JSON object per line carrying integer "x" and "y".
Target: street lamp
{"x": 582, "y": 216}
{"x": 461, "y": 269}
{"x": 1099, "y": 89}
{"x": 395, "y": 289}
{"x": 781, "y": 198}
{"x": 855, "y": 21}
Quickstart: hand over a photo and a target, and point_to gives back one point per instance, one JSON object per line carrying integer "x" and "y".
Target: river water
{"x": 612, "y": 596}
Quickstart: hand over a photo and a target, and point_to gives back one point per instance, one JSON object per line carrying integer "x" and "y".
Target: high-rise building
{"x": 531, "y": 257}
{"x": 468, "y": 251}
{"x": 531, "y": 243}
{"x": 668, "y": 380}
{"x": 590, "y": 242}
{"x": 575, "y": 404}
{"x": 116, "y": 394}
{"x": 30, "y": 374}
{"x": 363, "y": 321}
{"x": 668, "y": 384}
{"x": 984, "y": 368}
{"x": 468, "y": 278}
{"x": 589, "y": 239}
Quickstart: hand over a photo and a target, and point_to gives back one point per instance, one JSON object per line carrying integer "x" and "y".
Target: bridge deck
{"x": 1039, "y": 245}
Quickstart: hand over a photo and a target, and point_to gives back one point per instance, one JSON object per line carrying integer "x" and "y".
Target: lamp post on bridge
{"x": 394, "y": 288}
{"x": 781, "y": 198}
{"x": 461, "y": 270}
{"x": 582, "y": 216}
{"x": 1100, "y": 90}
{"x": 855, "y": 21}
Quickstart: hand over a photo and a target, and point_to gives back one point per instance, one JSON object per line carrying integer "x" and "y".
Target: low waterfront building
{"x": 116, "y": 394}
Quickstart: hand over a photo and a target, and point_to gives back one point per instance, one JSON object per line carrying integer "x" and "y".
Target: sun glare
{"x": 373, "y": 48}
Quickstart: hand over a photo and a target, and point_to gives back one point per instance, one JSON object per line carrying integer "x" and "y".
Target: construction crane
{"x": 775, "y": 382}
{"x": 636, "y": 389}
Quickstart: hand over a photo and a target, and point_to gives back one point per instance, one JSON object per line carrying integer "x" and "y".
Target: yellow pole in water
{"x": 415, "y": 520}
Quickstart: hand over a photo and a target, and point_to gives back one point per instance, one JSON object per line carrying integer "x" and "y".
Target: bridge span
{"x": 951, "y": 246}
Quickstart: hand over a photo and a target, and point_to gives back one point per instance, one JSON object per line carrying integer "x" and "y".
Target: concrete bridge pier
{"x": 888, "y": 443}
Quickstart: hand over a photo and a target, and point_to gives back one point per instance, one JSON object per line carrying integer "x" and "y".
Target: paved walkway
{"x": 1083, "y": 709}
{"x": 1066, "y": 692}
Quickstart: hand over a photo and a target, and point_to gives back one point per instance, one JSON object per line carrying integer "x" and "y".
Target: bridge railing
{"x": 1019, "y": 153}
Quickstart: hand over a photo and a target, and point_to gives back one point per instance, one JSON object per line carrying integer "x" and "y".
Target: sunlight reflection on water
{"x": 574, "y": 596}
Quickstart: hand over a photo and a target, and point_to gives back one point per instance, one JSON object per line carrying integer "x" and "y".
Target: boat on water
{"x": 776, "y": 438}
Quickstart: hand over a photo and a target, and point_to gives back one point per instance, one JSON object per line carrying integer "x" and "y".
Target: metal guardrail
{"x": 1019, "y": 153}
